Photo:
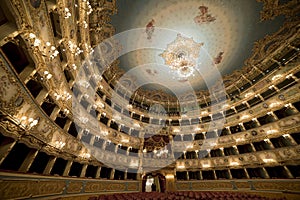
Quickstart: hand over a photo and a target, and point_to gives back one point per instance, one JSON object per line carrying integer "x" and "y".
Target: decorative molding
{"x": 20, "y": 186}
{"x": 274, "y": 8}
{"x": 25, "y": 189}
{"x": 74, "y": 187}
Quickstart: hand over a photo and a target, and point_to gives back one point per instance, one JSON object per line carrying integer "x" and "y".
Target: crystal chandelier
{"x": 181, "y": 56}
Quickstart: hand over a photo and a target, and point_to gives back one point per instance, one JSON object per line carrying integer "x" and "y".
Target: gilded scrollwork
{"x": 274, "y": 8}
{"x": 74, "y": 187}
{"x": 27, "y": 189}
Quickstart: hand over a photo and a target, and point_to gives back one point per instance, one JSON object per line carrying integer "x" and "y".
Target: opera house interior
{"x": 160, "y": 99}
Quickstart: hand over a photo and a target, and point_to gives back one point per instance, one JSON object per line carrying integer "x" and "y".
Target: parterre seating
{"x": 182, "y": 195}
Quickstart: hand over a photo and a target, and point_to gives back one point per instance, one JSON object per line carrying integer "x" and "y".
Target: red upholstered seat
{"x": 181, "y": 195}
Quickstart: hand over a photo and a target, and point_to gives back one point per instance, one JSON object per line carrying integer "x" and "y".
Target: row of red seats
{"x": 181, "y": 195}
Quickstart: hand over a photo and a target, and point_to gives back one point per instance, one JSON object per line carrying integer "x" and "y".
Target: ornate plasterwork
{"x": 49, "y": 187}
{"x": 15, "y": 120}
{"x": 266, "y": 158}
{"x": 274, "y": 8}
{"x": 181, "y": 56}
{"x": 29, "y": 189}
{"x": 263, "y": 49}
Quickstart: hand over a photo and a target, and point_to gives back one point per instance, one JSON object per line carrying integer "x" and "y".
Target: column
{"x": 83, "y": 171}
{"x": 276, "y": 88}
{"x": 252, "y": 146}
{"x": 276, "y": 61}
{"x": 129, "y": 131}
{"x": 290, "y": 139}
{"x": 125, "y": 174}
{"x": 242, "y": 126}
{"x": 259, "y": 96}
{"x": 92, "y": 141}
{"x": 246, "y": 173}
{"x": 88, "y": 109}
{"x": 49, "y": 165}
{"x": 258, "y": 69}
{"x": 222, "y": 151}
{"x": 233, "y": 108}
{"x": 171, "y": 153}
{"x": 236, "y": 151}
{"x": 201, "y": 177}
{"x": 197, "y": 156}
{"x": 41, "y": 96}
{"x": 244, "y": 77}
{"x": 28, "y": 160}
{"x": 116, "y": 148}
{"x": 247, "y": 104}
{"x": 265, "y": 173}
{"x": 215, "y": 175}
{"x": 67, "y": 168}
{"x": 270, "y": 145}
{"x": 292, "y": 107}
{"x": 208, "y": 154}
{"x": 273, "y": 115}
{"x": 256, "y": 121}
{"x": 229, "y": 174}
{"x": 216, "y": 133}
{"x": 229, "y": 131}
{"x": 27, "y": 73}
{"x": 98, "y": 116}
{"x": 80, "y": 133}
{"x": 104, "y": 144}
{"x": 170, "y": 182}
{"x": 127, "y": 152}
{"x": 5, "y": 149}
{"x": 54, "y": 113}
{"x": 108, "y": 123}
{"x": 98, "y": 172}
{"x": 112, "y": 173}
{"x": 67, "y": 125}
{"x": 288, "y": 172}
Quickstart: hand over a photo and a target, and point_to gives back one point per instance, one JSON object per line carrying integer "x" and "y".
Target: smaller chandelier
{"x": 181, "y": 56}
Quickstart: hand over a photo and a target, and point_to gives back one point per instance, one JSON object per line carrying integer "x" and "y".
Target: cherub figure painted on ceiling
{"x": 218, "y": 58}
{"x": 150, "y": 29}
{"x": 204, "y": 16}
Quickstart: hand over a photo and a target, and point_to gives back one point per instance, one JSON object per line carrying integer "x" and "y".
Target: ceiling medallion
{"x": 181, "y": 56}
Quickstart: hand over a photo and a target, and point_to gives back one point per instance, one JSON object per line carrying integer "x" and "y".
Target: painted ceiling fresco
{"x": 226, "y": 28}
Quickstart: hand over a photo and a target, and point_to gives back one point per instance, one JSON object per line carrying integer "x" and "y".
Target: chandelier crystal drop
{"x": 181, "y": 56}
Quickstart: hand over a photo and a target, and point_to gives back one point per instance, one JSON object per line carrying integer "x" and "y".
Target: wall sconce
{"x": 268, "y": 160}
{"x": 180, "y": 166}
{"x": 169, "y": 176}
{"x": 85, "y": 155}
{"x": 272, "y": 131}
{"x": 59, "y": 144}
{"x": 234, "y": 163}
{"x": 28, "y": 123}
{"x": 205, "y": 165}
